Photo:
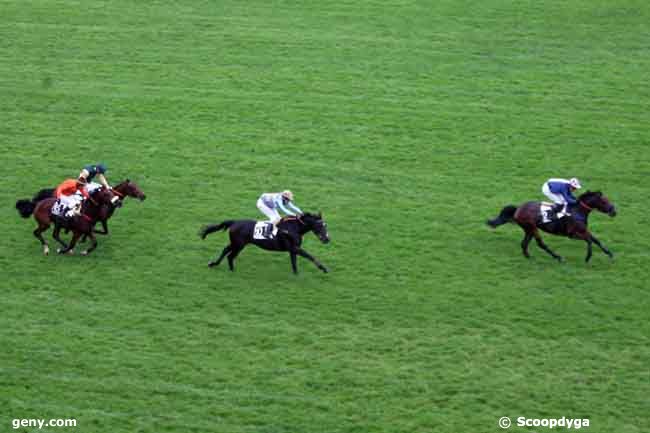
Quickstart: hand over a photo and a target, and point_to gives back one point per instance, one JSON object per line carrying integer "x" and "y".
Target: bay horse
{"x": 574, "y": 226}
{"x": 288, "y": 238}
{"x": 122, "y": 190}
{"x": 92, "y": 210}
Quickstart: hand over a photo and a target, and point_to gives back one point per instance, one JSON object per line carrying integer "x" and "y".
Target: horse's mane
{"x": 588, "y": 194}
{"x": 124, "y": 182}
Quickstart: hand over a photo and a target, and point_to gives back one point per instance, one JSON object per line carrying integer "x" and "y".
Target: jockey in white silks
{"x": 560, "y": 191}
{"x": 270, "y": 202}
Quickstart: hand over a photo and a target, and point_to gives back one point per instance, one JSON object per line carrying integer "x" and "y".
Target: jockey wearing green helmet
{"x": 90, "y": 171}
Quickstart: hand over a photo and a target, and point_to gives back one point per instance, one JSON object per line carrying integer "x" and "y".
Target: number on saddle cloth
{"x": 58, "y": 208}
{"x": 548, "y": 214}
{"x": 264, "y": 230}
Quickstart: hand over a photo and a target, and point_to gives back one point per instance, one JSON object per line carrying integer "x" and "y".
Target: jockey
{"x": 67, "y": 195}
{"x": 560, "y": 191}
{"x": 270, "y": 202}
{"x": 90, "y": 171}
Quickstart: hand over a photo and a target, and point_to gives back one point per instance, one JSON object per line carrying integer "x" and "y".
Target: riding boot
{"x": 559, "y": 207}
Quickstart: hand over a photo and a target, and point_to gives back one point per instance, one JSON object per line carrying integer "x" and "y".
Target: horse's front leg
{"x": 602, "y": 247}
{"x": 306, "y": 255}
{"x": 70, "y": 248}
{"x": 93, "y": 244}
{"x": 588, "y": 240}
{"x": 104, "y": 228}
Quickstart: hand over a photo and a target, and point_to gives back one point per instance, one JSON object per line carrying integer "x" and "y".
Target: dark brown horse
{"x": 92, "y": 210}
{"x": 574, "y": 226}
{"x": 289, "y": 238}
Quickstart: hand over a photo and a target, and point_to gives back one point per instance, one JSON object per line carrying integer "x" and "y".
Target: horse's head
{"x": 129, "y": 188}
{"x": 597, "y": 200}
{"x": 315, "y": 223}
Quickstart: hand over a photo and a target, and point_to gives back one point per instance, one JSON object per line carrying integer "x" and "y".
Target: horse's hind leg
{"x": 39, "y": 235}
{"x": 524, "y": 244}
{"x": 225, "y": 251}
{"x": 235, "y": 250}
{"x": 542, "y": 245}
{"x": 56, "y": 235}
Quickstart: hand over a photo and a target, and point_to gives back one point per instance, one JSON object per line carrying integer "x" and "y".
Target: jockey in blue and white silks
{"x": 560, "y": 191}
{"x": 270, "y": 202}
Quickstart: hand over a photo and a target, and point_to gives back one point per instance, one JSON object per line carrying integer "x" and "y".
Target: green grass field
{"x": 408, "y": 123}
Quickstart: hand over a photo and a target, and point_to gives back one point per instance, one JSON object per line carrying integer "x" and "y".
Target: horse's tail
{"x": 506, "y": 216}
{"x": 25, "y": 207}
{"x": 211, "y": 228}
{"x": 43, "y": 194}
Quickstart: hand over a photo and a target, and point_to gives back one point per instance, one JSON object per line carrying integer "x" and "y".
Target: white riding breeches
{"x": 92, "y": 186}
{"x": 272, "y": 214}
{"x": 555, "y": 198}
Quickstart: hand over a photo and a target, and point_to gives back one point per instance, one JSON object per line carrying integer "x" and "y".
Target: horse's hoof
{"x": 211, "y": 264}
{"x": 325, "y": 270}
{"x": 59, "y": 251}
{"x": 46, "y": 250}
{"x": 84, "y": 253}
{"x": 559, "y": 259}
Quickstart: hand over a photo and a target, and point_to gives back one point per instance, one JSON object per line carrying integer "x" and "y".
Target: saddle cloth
{"x": 59, "y": 209}
{"x": 547, "y": 214}
{"x": 263, "y": 230}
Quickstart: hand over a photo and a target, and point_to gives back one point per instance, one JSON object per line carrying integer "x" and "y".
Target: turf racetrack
{"x": 408, "y": 123}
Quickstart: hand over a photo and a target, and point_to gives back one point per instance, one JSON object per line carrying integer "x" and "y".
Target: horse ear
{"x": 128, "y": 180}
{"x": 320, "y": 214}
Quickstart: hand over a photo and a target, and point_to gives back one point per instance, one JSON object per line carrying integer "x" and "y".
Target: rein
{"x": 117, "y": 193}
{"x": 293, "y": 218}
{"x": 585, "y": 206}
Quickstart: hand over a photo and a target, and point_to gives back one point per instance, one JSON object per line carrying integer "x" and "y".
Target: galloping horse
{"x": 289, "y": 238}
{"x": 528, "y": 216}
{"x": 122, "y": 190}
{"x": 92, "y": 210}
